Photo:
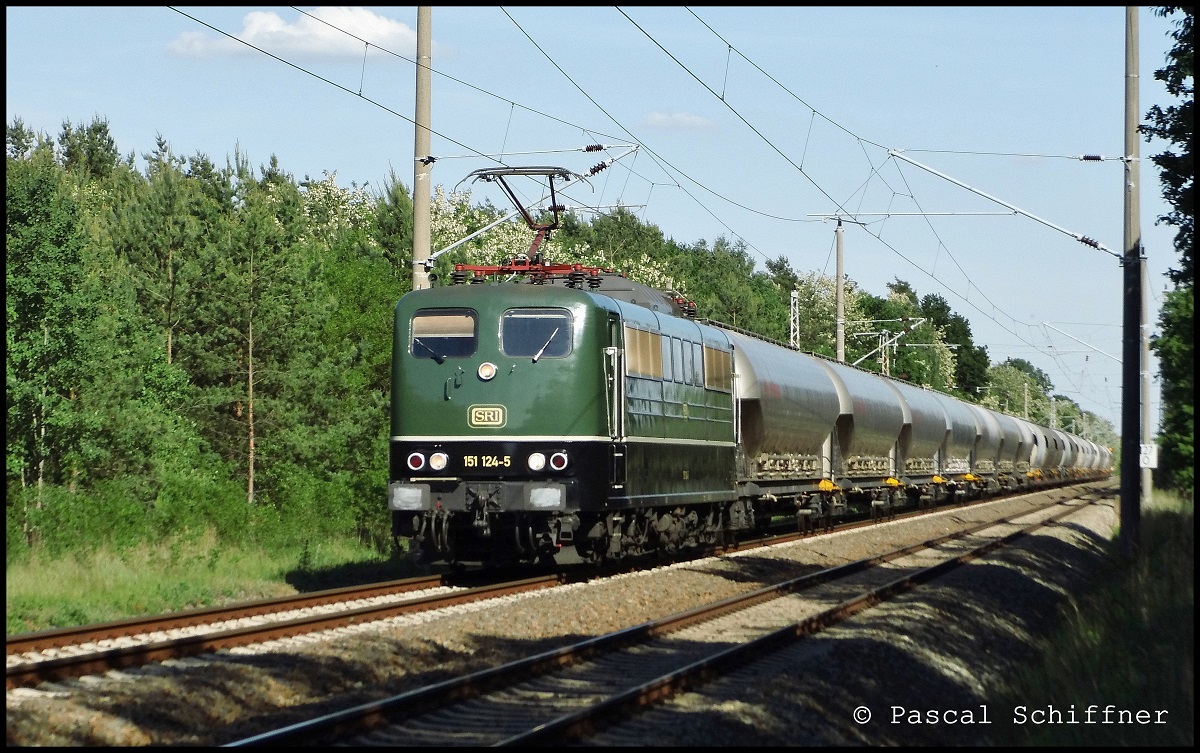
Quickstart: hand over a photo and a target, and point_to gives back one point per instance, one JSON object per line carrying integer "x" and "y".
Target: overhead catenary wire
{"x": 320, "y": 78}
{"x": 860, "y": 140}
{"x": 482, "y": 154}
{"x": 651, "y": 152}
{"x": 559, "y": 120}
{"x": 429, "y": 159}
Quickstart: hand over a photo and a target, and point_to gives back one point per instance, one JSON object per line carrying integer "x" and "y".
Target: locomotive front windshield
{"x": 536, "y": 333}
{"x": 444, "y": 333}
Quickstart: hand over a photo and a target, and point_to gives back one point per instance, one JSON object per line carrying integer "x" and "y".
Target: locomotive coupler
{"x": 482, "y": 500}
{"x": 482, "y": 524}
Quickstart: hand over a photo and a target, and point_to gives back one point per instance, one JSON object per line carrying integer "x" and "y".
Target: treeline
{"x": 192, "y": 346}
{"x": 197, "y": 347}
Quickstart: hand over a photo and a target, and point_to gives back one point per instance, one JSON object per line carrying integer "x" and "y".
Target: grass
{"x": 1128, "y": 642}
{"x": 104, "y": 585}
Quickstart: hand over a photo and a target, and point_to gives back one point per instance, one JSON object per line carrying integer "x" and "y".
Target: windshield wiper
{"x": 547, "y": 345}
{"x": 436, "y": 356}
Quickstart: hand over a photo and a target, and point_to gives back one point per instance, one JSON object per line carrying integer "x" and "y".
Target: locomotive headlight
{"x": 537, "y": 461}
{"x": 416, "y": 461}
{"x": 558, "y": 461}
{"x": 438, "y": 460}
{"x": 486, "y": 370}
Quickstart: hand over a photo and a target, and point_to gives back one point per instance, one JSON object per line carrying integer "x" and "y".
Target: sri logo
{"x": 487, "y": 416}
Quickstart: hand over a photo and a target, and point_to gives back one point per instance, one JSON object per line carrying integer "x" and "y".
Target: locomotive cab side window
{"x": 718, "y": 369}
{"x": 688, "y": 362}
{"x": 536, "y": 333}
{"x": 676, "y": 360}
{"x": 444, "y": 333}
{"x": 643, "y": 353}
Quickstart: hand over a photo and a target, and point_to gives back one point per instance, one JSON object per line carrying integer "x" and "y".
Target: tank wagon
{"x": 576, "y": 415}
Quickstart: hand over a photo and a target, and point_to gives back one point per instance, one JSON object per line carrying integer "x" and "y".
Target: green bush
{"x": 61, "y": 522}
{"x": 195, "y": 501}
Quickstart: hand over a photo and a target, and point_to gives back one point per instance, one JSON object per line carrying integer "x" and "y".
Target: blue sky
{"x": 754, "y": 123}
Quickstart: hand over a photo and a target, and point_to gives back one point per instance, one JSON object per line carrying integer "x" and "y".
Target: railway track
{"x": 566, "y": 694}
{"x": 59, "y": 654}
{"x": 88, "y": 649}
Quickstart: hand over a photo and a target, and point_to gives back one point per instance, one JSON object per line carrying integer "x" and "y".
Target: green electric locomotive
{"x": 573, "y": 416}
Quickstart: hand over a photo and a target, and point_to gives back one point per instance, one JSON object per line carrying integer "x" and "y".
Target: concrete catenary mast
{"x": 422, "y": 160}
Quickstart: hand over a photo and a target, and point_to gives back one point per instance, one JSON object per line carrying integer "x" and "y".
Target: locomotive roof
{"x": 615, "y": 286}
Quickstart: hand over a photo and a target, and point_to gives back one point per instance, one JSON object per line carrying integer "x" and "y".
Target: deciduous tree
{"x": 1175, "y": 342}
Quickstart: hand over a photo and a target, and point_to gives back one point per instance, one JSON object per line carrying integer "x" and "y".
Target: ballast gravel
{"x": 941, "y": 648}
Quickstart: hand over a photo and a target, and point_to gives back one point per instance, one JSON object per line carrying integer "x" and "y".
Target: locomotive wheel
{"x": 711, "y": 530}
{"x": 636, "y": 535}
{"x": 595, "y": 544}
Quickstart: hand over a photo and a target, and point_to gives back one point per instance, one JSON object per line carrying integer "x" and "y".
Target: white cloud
{"x": 677, "y": 121}
{"x": 306, "y": 37}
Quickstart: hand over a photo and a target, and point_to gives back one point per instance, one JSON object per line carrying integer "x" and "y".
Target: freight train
{"x": 560, "y": 413}
{"x": 575, "y": 415}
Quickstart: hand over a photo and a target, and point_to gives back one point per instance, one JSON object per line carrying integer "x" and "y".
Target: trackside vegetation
{"x": 1128, "y": 643}
{"x": 193, "y": 570}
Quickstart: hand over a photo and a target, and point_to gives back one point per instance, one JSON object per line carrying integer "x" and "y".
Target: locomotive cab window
{"x": 535, "y": 333}
{"x": 444, "y": 333}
